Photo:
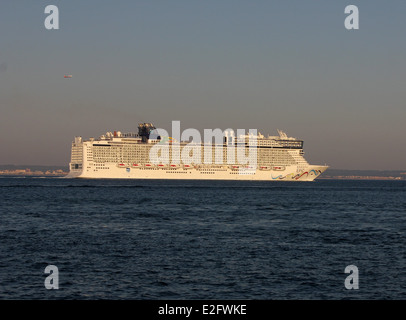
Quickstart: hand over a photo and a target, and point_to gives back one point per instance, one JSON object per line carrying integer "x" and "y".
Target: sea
{"x": 186, "y": 240}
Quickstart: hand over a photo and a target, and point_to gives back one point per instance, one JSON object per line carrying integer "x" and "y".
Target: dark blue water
{"x": 115, "y": 239}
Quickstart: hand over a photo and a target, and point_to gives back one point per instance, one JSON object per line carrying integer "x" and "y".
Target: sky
{"x": 258, "y": 64}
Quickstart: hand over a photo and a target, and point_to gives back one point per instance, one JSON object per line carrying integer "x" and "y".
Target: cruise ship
{"x": 148, "y": 155}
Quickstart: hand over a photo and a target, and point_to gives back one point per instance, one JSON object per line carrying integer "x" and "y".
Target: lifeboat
{"x": 174, "y": 166}
{"x": 136, "y": 165}
{"x": 278, "y": 168}
{"x": 149, "y": 165}
{"x": 187, "y": 166}
{"x": 162, "y": 166}
{"x": 266, "y": 168}
{"x": 121, "y": 165}
{"x": 235, "y": 167}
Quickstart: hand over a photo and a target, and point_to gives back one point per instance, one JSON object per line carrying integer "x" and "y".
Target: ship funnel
{"x": 144, "y": 130}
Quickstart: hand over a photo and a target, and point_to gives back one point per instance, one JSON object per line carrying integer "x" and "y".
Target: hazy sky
{"x": 263, "y": 64}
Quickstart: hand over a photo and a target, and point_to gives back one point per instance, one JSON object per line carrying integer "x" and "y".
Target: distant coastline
{"x": 33, "y": 171}
{"x": 361, "y": 178}
{"x": 339, "y": 174}
{"x": 330, "y": 174}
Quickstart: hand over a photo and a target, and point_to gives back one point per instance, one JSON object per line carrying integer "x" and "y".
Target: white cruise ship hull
{"x": 289, "y": 174}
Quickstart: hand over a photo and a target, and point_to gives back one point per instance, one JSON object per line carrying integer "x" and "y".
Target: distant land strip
{"x": 342, "y": 174}
{"x": 32, "y": 170}
{"x": 364, "y": 174}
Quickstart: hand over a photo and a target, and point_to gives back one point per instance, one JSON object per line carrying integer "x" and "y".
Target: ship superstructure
{"x": 144, "y": 155}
